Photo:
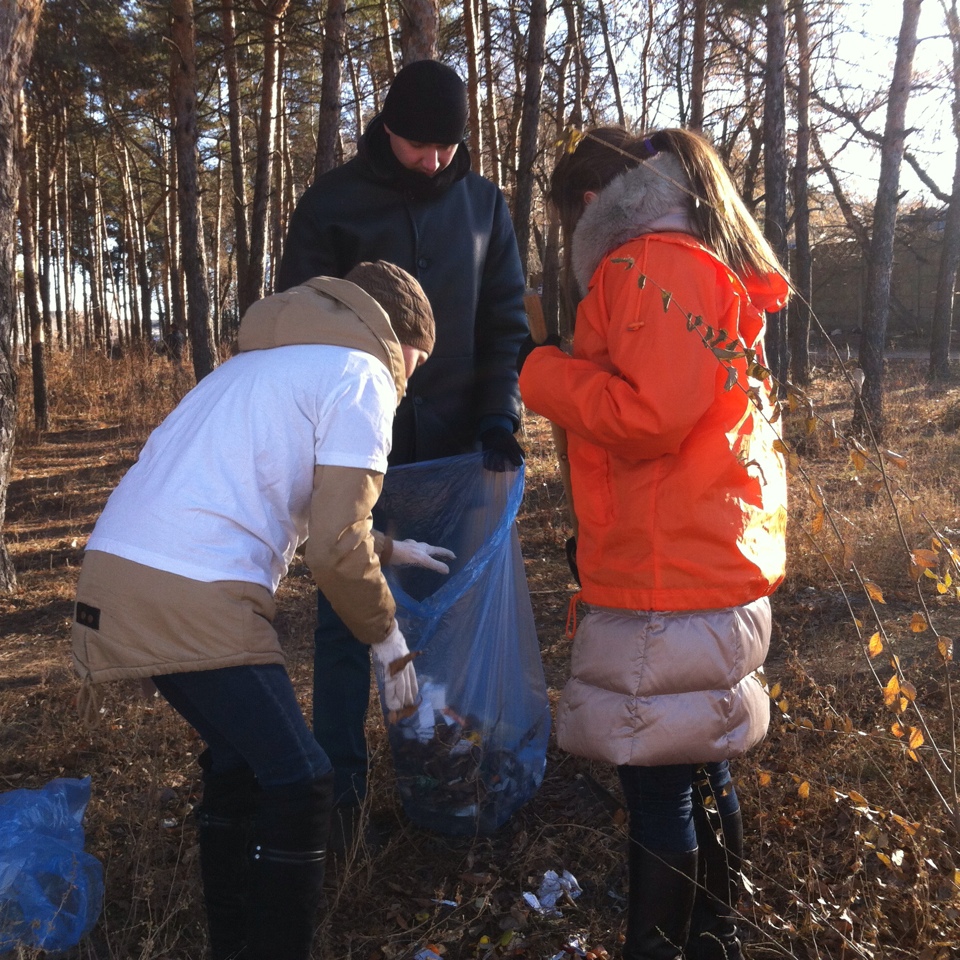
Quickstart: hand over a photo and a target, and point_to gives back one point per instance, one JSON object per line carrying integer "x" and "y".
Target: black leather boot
{"x": 662, "y": 888}
{"x": 224, "y": 824}
{"x": 287, "y": 865}
{"x": 713, "y": 926}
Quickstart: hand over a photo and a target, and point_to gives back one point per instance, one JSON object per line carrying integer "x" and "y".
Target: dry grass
{"x": 852, "y": 844}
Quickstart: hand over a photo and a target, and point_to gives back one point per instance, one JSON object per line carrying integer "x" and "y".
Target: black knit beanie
{"x": 427, "y": 103}
{"x": 401, "y": 297}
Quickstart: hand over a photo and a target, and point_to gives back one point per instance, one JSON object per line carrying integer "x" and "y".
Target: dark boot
{"x": 713, "y": 927}
{"x": 287, "y": 862}
{"x": 662, "y": 888}
{"x": 224, "y": 824}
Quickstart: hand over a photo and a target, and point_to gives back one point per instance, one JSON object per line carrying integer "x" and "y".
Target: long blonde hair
{"x": 713, "y": 202}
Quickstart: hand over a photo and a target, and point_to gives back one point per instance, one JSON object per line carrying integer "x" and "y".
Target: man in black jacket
{"x": 410, "y": 197}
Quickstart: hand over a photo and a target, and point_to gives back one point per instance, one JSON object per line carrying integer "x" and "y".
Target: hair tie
{"x": 652, "y": 151}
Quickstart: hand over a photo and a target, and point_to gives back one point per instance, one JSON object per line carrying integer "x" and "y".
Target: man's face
{"x": 426, "y": 158}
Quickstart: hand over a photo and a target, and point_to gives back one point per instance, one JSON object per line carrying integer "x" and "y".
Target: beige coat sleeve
{"x": 342, "y": 549}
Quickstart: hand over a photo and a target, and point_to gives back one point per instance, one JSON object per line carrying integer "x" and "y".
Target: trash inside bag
{"x": 475, "y": 750}
{"x": 51, "y": 891}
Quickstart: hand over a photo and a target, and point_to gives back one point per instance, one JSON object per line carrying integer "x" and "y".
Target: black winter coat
{"x": 455, "y": 236}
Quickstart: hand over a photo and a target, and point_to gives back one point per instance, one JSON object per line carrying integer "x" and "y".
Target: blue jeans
{"x": 248, "y": 716}
{"x": 341, "y": 693}
{"x": 660, "y": 802}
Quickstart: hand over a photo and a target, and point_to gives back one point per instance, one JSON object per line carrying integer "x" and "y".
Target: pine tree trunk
{"x": 529, "y": 127}
{"x": 272, "y": 12}
{"x": 184, "y": 101}
{"x": 331, "y": 65}
{"x": 419, "y": 29}
{"x": 18, "y": 24}
{"x": 870, "y": 411}
{"x": 31, "y": 293}
{"x": 802, "y": 267}
{"x": 237, "y": 152}
{"x": 775, "y": 172}
{"x": 941, "y": 328}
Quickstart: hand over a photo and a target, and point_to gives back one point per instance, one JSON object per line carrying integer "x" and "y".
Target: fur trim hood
{"x": 651, "y": 197}
{"x": 324, "y": 310}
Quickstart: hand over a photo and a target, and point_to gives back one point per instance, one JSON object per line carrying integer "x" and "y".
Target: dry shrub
{"x": 850, "y": 803}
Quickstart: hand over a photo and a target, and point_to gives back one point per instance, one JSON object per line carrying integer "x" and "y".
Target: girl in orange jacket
{"x": 681, "y": 505}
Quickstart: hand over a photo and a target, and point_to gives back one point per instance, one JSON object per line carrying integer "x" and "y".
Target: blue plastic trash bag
{"x": 475, "y": 750}
{"x": 51, "y": 892}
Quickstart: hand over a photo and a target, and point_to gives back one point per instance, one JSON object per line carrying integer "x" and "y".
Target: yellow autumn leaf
{"x": 891, "y": 691}
{"x": 817, "y": 525}
{"x": 804, "y": 790}
{"x": 897, "y": 459}
{"x": 784, "y": 706}
{"x": 775, "y": 691}
{"x": 765, "y": 779}
{"x": 908, "y": 690}
{"x": 942, "y": 587}
{"x": 874, "y": 592}
{"x": 945, "y": 648}
{"x": 858, "y": 798}
{"x": 883, "y": 858}
{"x": 925, "y": 558}
{"x": 806, "y": 723}
{"x": 916, "y": 738}
{"x": 875, "y": 645}
{"x": 828, "y": 722}
{"x": 897, "y": 729}
{"x": 918, "y": 623}
{"x": 858, "y": 460}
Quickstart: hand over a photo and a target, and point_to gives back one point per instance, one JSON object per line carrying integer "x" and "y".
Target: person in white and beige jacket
{"x": 286, "y": 442}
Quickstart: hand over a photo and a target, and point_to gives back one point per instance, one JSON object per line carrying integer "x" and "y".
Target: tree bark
{"x": 419, "y": 30}
{"x": 273, "y": 12}
{"x": 611, "y": 63}
{"x": 941, "y": 328}
{"x": 799, "y": 327}
{"x": 237, "y": 152}
{"x": 31, "y": 289}
{"x": 529, "y": 127}
{"x": 870, "y": 411}
{"x": 473, "y": 85}
{"x": 193, "y": 264}
{"x": 18, "y": 26}
{"x": 331, "y": 82}
{"x": 775, "y": 172}
{"x": 698, "y": 64}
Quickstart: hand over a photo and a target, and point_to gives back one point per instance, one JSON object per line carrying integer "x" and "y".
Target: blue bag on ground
{"x": 51, "y": 892}
{"x": 475, "y": 750}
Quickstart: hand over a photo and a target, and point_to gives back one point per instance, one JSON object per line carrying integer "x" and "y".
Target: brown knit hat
{"x": 403, "y": 299}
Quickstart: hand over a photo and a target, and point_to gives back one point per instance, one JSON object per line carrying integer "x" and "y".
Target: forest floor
{"x": 851, "y": 825}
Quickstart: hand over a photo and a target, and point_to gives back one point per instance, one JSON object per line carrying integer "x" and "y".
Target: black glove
{"x": 529, "y": 345}
{"x": 500, "y": 450}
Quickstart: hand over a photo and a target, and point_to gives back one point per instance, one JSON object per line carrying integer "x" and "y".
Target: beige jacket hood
{"x": 324, "y": 310}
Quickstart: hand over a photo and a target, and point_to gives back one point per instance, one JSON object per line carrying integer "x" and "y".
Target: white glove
{"x": 410, "y": 553}
{"x": 399, "y": 682}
